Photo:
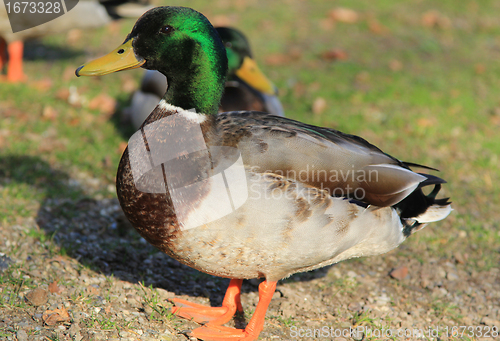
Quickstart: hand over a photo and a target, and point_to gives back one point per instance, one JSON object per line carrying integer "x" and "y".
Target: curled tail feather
{"x": 417, "y": 209}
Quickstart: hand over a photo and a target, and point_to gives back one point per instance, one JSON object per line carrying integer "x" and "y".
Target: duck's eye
{"x": 228, "y": 44}
{"x": 167, "y": 29}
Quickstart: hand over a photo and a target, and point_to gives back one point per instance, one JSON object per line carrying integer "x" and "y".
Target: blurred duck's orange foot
{"x": 15, "y": 66}
{"x": 214, "y": 331}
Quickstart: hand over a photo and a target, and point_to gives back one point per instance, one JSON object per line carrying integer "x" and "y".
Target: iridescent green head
{"x": 180, "y": 43}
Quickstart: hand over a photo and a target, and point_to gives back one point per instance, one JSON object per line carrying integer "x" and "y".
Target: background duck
{"x": 247, "y": 88}
{"x": 173, "y": 186}
{"x": 85, "y": 14}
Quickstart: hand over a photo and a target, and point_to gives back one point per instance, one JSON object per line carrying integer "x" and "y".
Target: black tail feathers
{"x": 417, "y": 202}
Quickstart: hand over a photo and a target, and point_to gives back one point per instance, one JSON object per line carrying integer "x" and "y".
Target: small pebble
{"x": 4, "y": 262}
{"x": 354, "y": 306}
{"x": 22, "y": 335}
{"x": 351, "y": 274}
{"x": 124, "y": 334}
{"x": 490, "y": 322}
{"x": 440, "y": 273}
{"x": 383, "y": 299}
{"x": 459, "y": 258}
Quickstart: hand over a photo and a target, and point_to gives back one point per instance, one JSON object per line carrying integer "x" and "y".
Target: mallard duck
{"x": 244, "y": 194}
{"x": 85, "y": 14}
{"x": 246, "y": 86}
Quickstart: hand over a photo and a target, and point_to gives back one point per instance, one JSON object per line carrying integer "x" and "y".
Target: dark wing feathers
{"x": 344, "y": 164}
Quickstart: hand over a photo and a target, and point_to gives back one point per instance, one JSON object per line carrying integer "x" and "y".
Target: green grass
{"x": 158, "y": 310}
{"x": 287, "y": 322}
{"x": 12, "y": 283}
{"x": 446, "y": 309}
{"x": 100, "y": 322}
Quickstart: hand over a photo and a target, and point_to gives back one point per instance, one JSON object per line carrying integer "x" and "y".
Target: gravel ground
{"x": 79, "y": 271}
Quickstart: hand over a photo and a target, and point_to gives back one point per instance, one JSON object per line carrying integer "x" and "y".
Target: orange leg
{"x": 213, "y": 332}
{"x": 214, "y": 315}
{"x": 15, "y": 67}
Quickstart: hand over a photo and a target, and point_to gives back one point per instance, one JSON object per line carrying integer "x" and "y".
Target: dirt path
{"x": 96, "y": 279}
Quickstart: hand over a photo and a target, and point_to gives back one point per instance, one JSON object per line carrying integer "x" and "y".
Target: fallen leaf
{"x": 395, "y": 65}
{"x": 63, "y": 94}
{"x": 430, "y": 18}
{"x": 114, "y": 26}
{"x": 454, "y": 93}
{"x": 49, "y": 113}
{"x": 68, "y": 73}
{"x": 53, "y": 288}
{"x": 479, "y": 68}
{"x": 444, "y": 22}
{"x": 433, "y": 18}
{"x": 327, "y": 24}
{"x": 59, "y": 259}
{"x": 319, "y": 106}
{"x": 399, "y": 273}
{"x": 277, "y": 59}
{"x": 43, "y": 84}
{"x": 128, "y": 84}
{"x": 425, "y": 122}
{"x": 495, "y": 120}
{"x": 73, "y": 36}
{"x": 363, "y": 77}
{"x": 487, "y": 180}
{"x": 92, "y": 290}
{"x": 295, "y": 53}
{"x": 314, "y": 86}
{"x": 299, "y": 89}
{"x": 376, "y": 27}
{"x": 104, "y": 103}
{"x": 354, "y": 306}
{"x": 222, "y": 20}
{"x": 74, "y": 122}
{"x": 334, "y": 54}
{"x": 345, "y": 15}
{"x": 37, "y": 296}
{"x": 52, "y": 317}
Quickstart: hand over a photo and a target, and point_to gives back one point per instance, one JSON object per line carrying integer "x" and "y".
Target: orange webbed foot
{"x": 200, "y": 313}
{"x": 211, "y": 332}
{"x": 213, "y": 315}
{"x": 214, "y": 331}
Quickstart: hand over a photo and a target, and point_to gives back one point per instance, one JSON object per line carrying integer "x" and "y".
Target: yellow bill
{"x": 122, "y": 58}
{"x": 250, "y": 73}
